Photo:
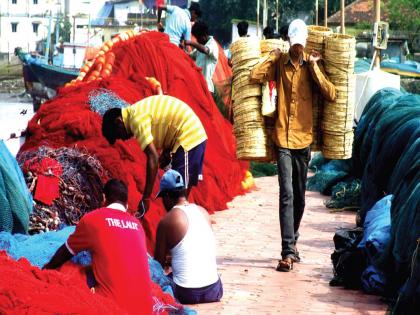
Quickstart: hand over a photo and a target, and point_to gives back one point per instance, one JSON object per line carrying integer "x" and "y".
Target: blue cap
{"x": 171, "y": 180}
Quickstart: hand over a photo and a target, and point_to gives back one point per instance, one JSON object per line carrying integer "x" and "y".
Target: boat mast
{"x": 343, "y": 18}
{"x": 377, "y": 61}
{"x": 47, "y": 46}
{"x": 326, "y": 13}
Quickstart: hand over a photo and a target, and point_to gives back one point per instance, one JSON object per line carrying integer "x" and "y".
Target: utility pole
{"x": 277, "y": 16}
{"x": 377, "y": 20}
{"x": 258, "y": 17}
{"x": 343, "y": 18}
{"x": 265, "y": 13}
{"x": 326, "y": 13}
{"x": 316, "y": 12}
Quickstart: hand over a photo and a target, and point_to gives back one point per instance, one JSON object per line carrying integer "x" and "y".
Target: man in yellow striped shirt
{"x": 161, "y": 123}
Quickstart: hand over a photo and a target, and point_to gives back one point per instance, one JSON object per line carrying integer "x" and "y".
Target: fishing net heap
{"x": 80, "y": 187}
{"x": 338, "y": 116}
{"x": 70, "y": 120}
{"x": 316, "y": 41}
{"x": 386, "y": 161}
{"x": 387, "y": 157}
{"x": 15, "y": 198}
{"x": 335, "y": 178}
{"x": 253, "y": 141}
{"x": 102, "y": 99}
{"x": 27, "y": 285}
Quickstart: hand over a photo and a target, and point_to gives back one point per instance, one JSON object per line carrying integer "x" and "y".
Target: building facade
{"x": 23, "y": 23}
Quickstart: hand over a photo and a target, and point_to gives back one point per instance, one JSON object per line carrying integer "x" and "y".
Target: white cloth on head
{"x": 298, "y": 32}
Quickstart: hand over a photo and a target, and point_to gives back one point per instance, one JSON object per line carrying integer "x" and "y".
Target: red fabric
{"x": 111, "y": 235}
{"x": 45, "y": 166}
{"x": 25, "y": 289}
{"x": 48, "y": 172}
{"x": 222, "y": 78}
{"x": 68, "y": 121}
{"x": 47, "y": 189}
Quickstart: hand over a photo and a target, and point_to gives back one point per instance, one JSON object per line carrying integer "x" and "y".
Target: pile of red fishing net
{"x": 25, "y": 289}
{"x": 68, "y": 121}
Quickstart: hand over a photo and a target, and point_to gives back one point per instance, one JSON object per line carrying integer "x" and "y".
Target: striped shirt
{"x": 166, "y": 121}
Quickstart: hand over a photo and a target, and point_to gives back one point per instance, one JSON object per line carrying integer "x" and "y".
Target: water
{"x": 15, "y": 112}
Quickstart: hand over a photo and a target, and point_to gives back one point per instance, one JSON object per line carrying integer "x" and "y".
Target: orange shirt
{"x": 296, "y": 89}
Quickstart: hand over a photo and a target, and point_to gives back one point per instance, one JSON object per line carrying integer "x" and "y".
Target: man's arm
{"x": 320, "y": 77}
{"x": 60, "y": 257}
{"x": 160, "y": 9}
{"x": 198, "y": 46}
{"x": 151, "y": 171}
{"x": 265, "y": 70}
{"x": 161, "y": 247}
{"x": 159, "y": 20}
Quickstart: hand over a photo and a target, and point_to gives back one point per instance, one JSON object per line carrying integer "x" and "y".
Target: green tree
{"x": 404, "y": 15}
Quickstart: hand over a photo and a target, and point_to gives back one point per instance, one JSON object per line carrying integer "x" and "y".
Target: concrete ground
{"x": 248, "y": 237}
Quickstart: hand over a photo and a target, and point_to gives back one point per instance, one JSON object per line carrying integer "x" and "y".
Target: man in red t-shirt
{"x": 117, "y": 243}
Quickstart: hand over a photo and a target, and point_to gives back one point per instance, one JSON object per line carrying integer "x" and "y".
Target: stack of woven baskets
{"x": 252, "y": 139}
{"x": 338, "y": 116}
{"x": 316, "y": 41}
{"x": 268, "y": 45}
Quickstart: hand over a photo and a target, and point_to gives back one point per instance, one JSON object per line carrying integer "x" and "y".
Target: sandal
{"x": 296, "y": 257}
{"x": 285, "y": 265}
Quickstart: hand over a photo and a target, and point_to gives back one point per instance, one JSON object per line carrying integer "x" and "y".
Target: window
{"x": 14, "y": 27}
{"x": 35, "y": 1}
{"x": 35, "y": 27}
{"x": 14, "y": 1}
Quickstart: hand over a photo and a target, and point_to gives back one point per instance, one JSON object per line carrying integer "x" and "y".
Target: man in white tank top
{"x": 185, "y": 232}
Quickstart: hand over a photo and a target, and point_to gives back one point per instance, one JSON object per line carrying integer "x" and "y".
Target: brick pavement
{"x": 248, "y": 236}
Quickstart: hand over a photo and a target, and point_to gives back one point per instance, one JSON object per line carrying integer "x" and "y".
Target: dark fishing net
{"x": 80, "y": 186}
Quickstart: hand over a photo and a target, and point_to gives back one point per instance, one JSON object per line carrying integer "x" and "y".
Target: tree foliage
{"x": 219, "y": 14}
{"x": 404, "y": 15}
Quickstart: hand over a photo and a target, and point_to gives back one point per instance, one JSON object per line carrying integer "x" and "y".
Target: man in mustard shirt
{"x": 161, "y": 123}
{"x": 300, "y": 78}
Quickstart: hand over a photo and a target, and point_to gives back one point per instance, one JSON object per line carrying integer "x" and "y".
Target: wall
{"x": 24, "y": 13}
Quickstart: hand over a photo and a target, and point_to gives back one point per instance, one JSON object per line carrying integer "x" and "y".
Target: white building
{"x": 23, "y": 23}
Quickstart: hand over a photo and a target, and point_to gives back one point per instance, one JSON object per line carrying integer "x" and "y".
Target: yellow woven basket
{"x": 247, "y": 91}
{"x": 340, "y": 42}
{"x": 268, "y": 45}
{"x": 316, "y": 38}
{"x": 337, "y": 145}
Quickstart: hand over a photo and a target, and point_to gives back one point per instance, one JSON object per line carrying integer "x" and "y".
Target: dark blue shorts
{"x": 190, "y": 164}
{"x": 208, "y": 294}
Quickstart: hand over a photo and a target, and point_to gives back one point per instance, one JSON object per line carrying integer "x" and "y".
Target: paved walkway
{"x": 248, "y": 250}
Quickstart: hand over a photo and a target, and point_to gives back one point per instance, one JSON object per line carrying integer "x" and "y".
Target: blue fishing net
{"x": 328, "y": 173}
{"x": 15, "y": 198}
{"x": 386, "y": 156}
{"x": 345, "y": 195}
{"x": 101, "y": 100}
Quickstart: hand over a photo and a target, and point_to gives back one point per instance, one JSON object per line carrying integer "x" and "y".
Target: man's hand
{"x": 187, "y": 42}
{"x": 314, "y": 56}
{"x": 277, "y": 53}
